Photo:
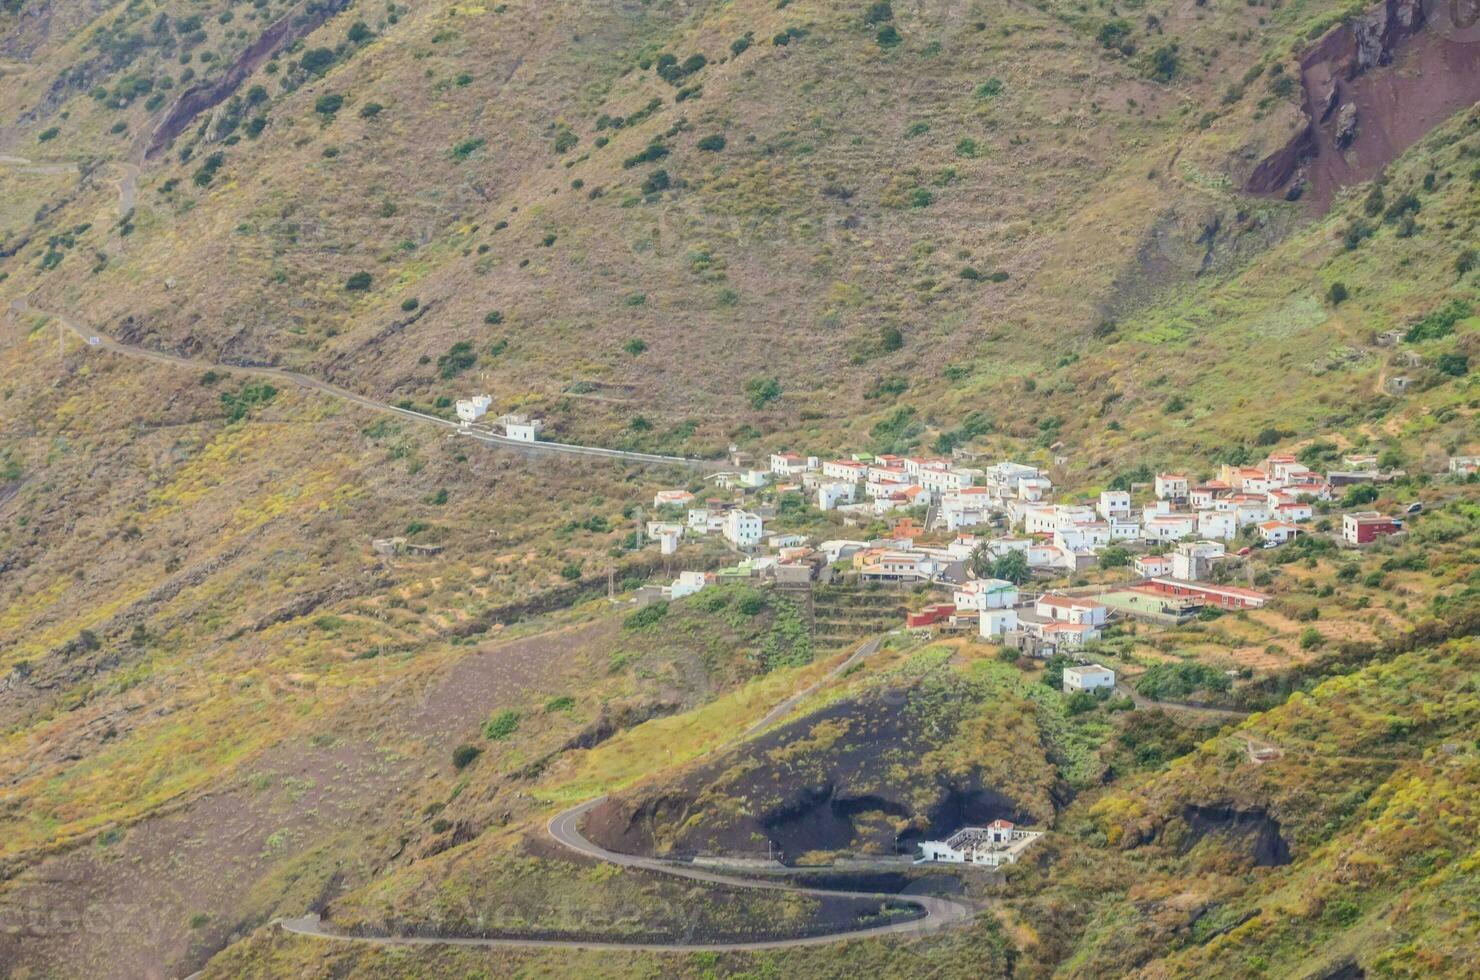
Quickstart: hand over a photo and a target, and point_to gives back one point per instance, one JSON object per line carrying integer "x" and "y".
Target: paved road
{"x": 940, "y": 912}
{"x": 283, "y": 376}
{"x": 565, "y": 828}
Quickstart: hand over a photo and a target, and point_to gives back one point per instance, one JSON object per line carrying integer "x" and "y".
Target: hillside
{"x": 1102, "y": 239}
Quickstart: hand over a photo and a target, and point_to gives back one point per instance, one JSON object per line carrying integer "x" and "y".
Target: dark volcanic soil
{"x": 793, "y": 791}
{"x": 1252, "y": 830}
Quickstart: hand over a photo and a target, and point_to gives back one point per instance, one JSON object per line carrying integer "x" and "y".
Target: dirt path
{"x": 1177, "y": 707}
{"x": 23, "y": 306}
{"x": 785, "y": 707}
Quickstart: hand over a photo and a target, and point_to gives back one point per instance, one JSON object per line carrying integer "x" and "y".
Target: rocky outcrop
{"x": 1346, "y": 126}
{"x": 1372, "y": 87}
{"x": 296, "y": 24}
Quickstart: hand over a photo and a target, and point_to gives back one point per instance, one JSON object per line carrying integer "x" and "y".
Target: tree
{"x": 760, "y": 392}
{"x": 1337, "y": 294}
{"x": 982, "y": 562}
{"x": 1012, "y": 567}
{"x": 1455, "y": 365}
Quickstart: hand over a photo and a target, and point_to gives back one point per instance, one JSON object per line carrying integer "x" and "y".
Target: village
{"x": 988, "y": 543}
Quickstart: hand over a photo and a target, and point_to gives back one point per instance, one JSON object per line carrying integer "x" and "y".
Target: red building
{"x": 939, "y": 612}
{"x": 1222, "y": 596}
{"x": 1363, "y": 526}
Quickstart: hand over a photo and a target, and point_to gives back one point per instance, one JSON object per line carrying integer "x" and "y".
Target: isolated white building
{"x": 1087, "y": 678}
{"x": 473, "y": 409}
{"x": 994, "y": 845}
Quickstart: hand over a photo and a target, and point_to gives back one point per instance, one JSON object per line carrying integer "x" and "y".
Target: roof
{"x": 1000, "y": 824}
{"x": 1230, "y": 590}
{"x": 1369, "y": 517}
{"x": 1069, "y": 602}
{"x": 1067, "y": 628}
{"x": 1090, "y": 669}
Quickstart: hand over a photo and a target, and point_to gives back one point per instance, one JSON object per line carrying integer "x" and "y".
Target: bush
{"x": 563, "y": 702}
{"x": 410, "y": 304}
{"x": 635, "y": 346}
{"x": 358, "y": 283}
{"x": 1337, "y": 294}
{"x": 571, "y": 572}
{"x": 649, "y": 615}
{"x": 459, "y": 358}
{"x": 493, "y": 317}
{"x": 712, "y": 143}
{"x": 888, "y": 37}
{"x": 463, "y": 755}
{"x": 1311, "y": 638}
{"x": 1173, "y": 681}
{"x": 328, "y": 105}
{"x": 1452, "y": 364}
{"x": 501, "y": 725}
{"x": 760, "y": 392}
{"x": 751, "y": 604}
{"x": 878, "y": 13}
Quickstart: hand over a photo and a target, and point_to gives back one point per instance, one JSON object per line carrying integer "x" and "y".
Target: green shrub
{"x": 712, "y": 143}
{"x": 649, "y": 615}
{"x": 358, "y": 283}
{"x": 463, "y": 755}
{"x": 328, "y": 105}
{"x": 459, "y": 358}
{"x": 501, "y": 725}
{"x": 563, "y": 702}
{"x": 760, "y": 392}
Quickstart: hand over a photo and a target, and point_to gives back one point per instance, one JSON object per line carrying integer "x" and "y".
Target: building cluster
{"x": 1178, "y": 529}
{"x": 999, "y": 842}
{"x": 516, "y": 425}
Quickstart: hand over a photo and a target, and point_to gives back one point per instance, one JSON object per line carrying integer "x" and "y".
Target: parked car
{"x": 1414, "y": 508}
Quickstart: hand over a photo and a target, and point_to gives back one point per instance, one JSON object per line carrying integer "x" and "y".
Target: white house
{"x": 1087, "y": 678}
{"x": 833, "y": 493}
{"x": 792, "y": 464}
{"x": 473, "y": 409}
{"x": 1464, "y": 467}
{"x": 995, "y": 622}
{"x": 1115, "y": 504}
{"x": 967, "y": 507}
{"x": 1169, "y": 527}
{"x": 742, "y": 529}
{"x": 1170, "y": 486}
{"x": 521, "y": 427}
{"x": 991, "y": 846}
{"x": 986, "y": 593}
{"x": 845, "y": 469}
{"x": 1193, "y": 560}
{"x": 672, "y": 498}
{"x": 667, "y": 535}
{"x": 687, "y": 584}
{"x": 1072, "y": 609}
{"x": 755, "y": 478}
{"x": 1034, "y": 487}
{"x": 1277, "y": 532}
{"x": 1152, "y": 566}
{"x": 1217, "y": 524}
{"x": 1066, "y": 636}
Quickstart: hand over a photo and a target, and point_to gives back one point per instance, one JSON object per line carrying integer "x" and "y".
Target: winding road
{"x": 282, "y": 376}
{"x": 565, "y": 829}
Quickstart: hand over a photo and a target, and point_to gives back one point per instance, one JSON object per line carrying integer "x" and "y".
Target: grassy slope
{"x": 135, "y": 504}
